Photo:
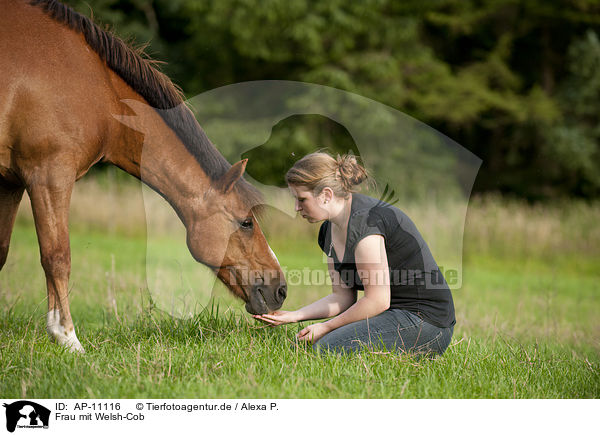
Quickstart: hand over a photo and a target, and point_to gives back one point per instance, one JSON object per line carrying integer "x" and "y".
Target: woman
{"x": 370, "y": 246}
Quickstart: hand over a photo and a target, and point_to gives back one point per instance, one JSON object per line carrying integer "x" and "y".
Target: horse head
{"x": 225, "y": 236}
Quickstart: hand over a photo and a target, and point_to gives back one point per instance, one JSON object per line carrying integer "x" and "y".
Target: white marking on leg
{"x": 52, "y": 322}
{"x": 57, "y": 333}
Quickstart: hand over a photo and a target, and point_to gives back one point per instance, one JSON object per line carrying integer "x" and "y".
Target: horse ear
{"x": 228, "y": 180}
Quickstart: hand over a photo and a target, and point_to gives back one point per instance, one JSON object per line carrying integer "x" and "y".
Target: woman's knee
{"x": 344, "y": 339}
{"x": 438, "y": 345}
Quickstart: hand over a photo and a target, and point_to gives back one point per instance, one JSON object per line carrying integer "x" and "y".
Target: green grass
{"x": 226, "y": 356}
{"x": 527, "y": 328}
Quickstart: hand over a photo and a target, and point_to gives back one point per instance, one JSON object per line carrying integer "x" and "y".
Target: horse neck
{"x": 151, "y": 151}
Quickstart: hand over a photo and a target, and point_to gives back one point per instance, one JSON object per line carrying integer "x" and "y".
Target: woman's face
{"x": 312, "y": 208}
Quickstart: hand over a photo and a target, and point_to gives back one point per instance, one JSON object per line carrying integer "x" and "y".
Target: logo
{"x": 26, "y": 414}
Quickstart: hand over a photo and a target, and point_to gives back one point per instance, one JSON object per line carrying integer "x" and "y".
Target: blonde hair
{"x": 319, "y": 170}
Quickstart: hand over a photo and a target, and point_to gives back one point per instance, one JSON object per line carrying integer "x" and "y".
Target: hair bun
{"x": 350, "y": 172}
{"x": 318, "y": 170}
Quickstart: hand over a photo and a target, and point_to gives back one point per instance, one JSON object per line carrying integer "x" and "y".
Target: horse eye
{"x": 246, "y": 224}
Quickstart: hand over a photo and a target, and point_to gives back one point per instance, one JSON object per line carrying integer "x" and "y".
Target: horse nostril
{"x": 281, "y": 293}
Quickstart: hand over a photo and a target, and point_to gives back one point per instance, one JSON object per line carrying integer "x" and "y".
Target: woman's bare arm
{"x": 338, "y": 301}
{"x": 372, "y": 266}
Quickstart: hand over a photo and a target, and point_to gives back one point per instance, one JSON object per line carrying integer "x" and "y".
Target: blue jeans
{"x": 393, "y": 330}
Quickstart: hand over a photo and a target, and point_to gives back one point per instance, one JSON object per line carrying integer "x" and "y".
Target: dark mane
{"x": 140, "y": 72}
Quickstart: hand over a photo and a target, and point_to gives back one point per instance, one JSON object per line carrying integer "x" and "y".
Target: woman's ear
{"x": 326, "y": 194}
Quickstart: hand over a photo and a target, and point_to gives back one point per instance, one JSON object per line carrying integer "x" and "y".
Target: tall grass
{"x": 494, "y": 224}
{"x": 512, "y": 227}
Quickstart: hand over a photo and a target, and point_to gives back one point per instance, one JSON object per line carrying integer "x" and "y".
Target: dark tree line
{"x": 517, "y": 82}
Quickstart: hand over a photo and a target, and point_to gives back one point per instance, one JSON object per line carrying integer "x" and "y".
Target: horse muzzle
{"x": 263, "y": 299}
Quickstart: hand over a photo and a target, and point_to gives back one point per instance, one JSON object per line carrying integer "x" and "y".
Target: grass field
{"x": 527, "y": 315}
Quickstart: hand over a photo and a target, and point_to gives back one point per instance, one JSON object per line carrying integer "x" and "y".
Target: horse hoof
{"x": 75, "y": 347}
{"x": 72, "y": 344}
{"x": 69, "y": 341}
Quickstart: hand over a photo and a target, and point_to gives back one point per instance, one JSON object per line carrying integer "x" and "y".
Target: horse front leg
{"x": 50, "y": 205}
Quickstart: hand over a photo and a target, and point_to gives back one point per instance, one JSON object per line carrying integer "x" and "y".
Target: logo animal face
{"x": 27, "y": 414}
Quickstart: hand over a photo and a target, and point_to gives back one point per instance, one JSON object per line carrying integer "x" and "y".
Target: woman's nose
{"x": 298, "y": 208}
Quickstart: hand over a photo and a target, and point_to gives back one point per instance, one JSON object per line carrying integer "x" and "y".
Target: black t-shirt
{"x": 416, "y": 283}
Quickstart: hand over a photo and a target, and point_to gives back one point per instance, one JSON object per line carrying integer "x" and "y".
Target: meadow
{"x": 156, "y": 326}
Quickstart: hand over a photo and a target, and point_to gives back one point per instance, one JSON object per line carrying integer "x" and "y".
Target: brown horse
{"x": 63, "y": 84}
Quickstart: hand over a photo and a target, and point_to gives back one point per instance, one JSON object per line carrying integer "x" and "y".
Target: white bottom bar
{"x": 306, "y": 416}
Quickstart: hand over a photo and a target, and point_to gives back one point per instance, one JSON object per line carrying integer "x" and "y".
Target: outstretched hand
{"x": 312, "y": 333}
{"x": 277, "y": 318}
